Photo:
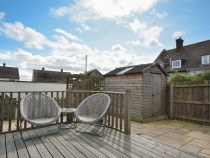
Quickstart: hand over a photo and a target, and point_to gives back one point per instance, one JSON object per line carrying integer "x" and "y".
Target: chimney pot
{"x": 43, "y": 68}
{"x": 4, "y": 64}
{"x": 179, "y": 45}
{"x": 61, "y": 70}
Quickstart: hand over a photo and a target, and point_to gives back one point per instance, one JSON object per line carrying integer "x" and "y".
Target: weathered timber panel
{"x": 149, "y": 111}
{"x": 132, "y": 82}
{"x": 141, "y": 92}
{"x": 191, "y": 101}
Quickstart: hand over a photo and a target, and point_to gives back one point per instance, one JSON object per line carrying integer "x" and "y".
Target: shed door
{"x": 156, "y": 94}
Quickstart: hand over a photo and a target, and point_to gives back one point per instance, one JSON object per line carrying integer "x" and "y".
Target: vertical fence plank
{"x": 113, "y": 105}
{"x": 25, "y": 123}
{"x": 10, "y": 108}
{"x": 18, "y": 111}
{"x": 2, "y": 111}
{"x": 121, "y": 113}
{"x": 116, "y": 111}
{"x": 171, "y": 100}
{"x": 62, "y": 105}
{"x": 109, "y": 113}
{"x": 127, "y": 119}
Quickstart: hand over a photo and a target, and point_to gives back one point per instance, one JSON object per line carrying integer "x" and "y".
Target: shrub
{"x": 182, "y": 78}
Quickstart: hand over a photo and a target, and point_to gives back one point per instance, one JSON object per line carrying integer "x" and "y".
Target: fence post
{"x": 171, "y": 100}
{"x": 69, "y": 118}
{"x": 127, "y": 119}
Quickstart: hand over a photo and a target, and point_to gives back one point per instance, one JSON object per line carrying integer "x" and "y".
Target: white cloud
{"x": 2, "y": 15}
{"x": 67, "y": 34}
{"x": 134, "y": 42}
{"x": 35, "y": 40}
{"x": 148, "y": 35}
{"x": 118, "y": 47}
{"x": 158, "y": 14}
{"x": 6, "y": 55}
{"x": 178, "y": 34}
{"x": 84, "y": 10}
{"x": 72, "y": 59}
{"x": 27, "y": 35}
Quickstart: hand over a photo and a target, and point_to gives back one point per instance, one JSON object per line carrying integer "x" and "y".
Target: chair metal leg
{"x": 103, "y": 125}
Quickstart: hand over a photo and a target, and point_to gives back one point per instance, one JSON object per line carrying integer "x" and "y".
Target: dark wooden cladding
{"x": 190, "y": 101}
{"x": 66, "y": 99}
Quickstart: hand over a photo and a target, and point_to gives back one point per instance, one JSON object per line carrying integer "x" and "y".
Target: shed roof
{"x": 135, "y": 69}
{"x": 9, "y": 72}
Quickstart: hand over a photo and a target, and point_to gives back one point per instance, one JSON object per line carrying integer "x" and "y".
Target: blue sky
{"x": 58, "y": 34}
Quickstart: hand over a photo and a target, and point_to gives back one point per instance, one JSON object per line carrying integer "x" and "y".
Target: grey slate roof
{"x": 190, "y": 56}
{"x": 49, "y": 76}
{"x": 135, "y": 69}
{"x": 9, "y": 72}
{"x": 92, "y": 71}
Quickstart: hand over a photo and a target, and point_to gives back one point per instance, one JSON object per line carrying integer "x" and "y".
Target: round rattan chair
{"x": 92, "y": 110}
{"x": 39, "y": 110}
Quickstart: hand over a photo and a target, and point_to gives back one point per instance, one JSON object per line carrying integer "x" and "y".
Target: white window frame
{"x": 176, "y": 66}
{"x": 205, "y": 59}
{"x": 124, "y": 70}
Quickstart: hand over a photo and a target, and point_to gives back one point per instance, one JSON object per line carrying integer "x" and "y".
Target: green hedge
{"x": 182, "y": 78}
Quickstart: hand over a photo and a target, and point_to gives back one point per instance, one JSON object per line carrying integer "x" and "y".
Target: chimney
{"x": 179, "y": 45}
{"x": 42, "y": 68}
{"x": 61, "y": 70}
{"x": 4, "y": 64}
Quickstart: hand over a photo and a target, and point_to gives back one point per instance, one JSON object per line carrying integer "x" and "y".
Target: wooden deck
{"x": 68, "y": 143}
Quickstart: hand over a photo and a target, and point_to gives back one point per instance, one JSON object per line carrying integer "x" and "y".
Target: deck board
{"x": 31, "y": 148}
{"x": 69, "y": 143}
{"x": 39, "y": 144}
{"x": 2, "y": 147}
{"x": 96, "y": 145}
{"x": 106, "y": 146}
{"x": 93, "y": 150}
{"x": 60, "y": 147}
{"x": 21, "y": 149}
{"x": 10, "y": 146}
{"x": 77, "y": 144}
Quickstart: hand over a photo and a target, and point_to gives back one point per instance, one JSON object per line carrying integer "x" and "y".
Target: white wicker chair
{"x": 39, "y": 110}
{"x": 92, "y": 110}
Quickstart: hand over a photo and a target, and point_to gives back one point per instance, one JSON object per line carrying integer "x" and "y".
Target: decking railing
{"x": 118, "y": 114}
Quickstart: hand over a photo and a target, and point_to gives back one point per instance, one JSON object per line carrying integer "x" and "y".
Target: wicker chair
{"x": 39, "y": 110}
{"x": 93, "y": 110}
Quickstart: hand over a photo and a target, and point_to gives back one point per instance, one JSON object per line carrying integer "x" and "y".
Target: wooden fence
{"x": 118, "y": 114}
{"x": 190, "y": 101}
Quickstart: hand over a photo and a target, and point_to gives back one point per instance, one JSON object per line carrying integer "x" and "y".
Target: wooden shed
{"x": 147, "y": 83}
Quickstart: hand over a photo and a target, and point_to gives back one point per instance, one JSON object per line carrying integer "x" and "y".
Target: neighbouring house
{"x": 189, "y": 59}
{"x": 147, "y": 83}
{"x": 49, "y": 76}
{"x": 94, "y": 72}
{"x": 9, "y": 73}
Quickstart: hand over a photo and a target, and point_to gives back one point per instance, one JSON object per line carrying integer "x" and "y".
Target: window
{"x": 124, "y": 70}
{"x": 176, "y": 64}
{"x": 205, "y": 59}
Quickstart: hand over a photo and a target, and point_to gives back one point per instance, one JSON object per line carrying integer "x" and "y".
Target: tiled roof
{"x": 190, "y": 56}
{"x": 49, "y": 76}
{"x": 136, "y": 69}
{"x": 9, "y": 72}
{"x": 93, "y": 70}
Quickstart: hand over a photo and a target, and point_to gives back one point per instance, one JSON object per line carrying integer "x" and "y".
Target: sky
{"x": 58, "y": 34}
